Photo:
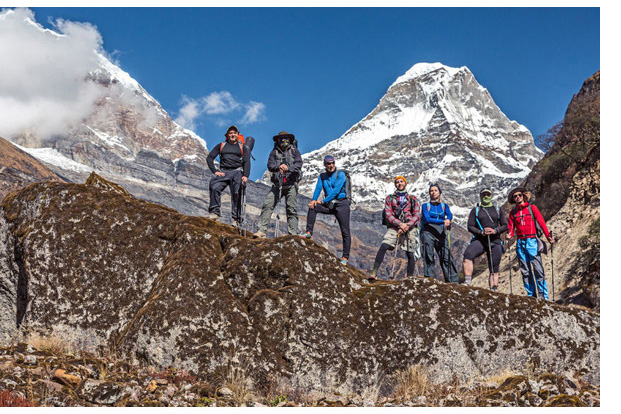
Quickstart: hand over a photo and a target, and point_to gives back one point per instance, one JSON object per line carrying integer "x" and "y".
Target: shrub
{"x": 12, "y": 399}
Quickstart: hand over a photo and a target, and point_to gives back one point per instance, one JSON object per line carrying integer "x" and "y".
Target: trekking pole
{"x": 491, "y": 265}
{"x": 552, "y": 258}
{"x": 510, "y": 266}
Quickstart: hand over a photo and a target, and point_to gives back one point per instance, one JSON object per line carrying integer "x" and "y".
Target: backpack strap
{"x": 537, "y": 227}
{"x": 241, "y": 147}
{"x": 476, "y": 217}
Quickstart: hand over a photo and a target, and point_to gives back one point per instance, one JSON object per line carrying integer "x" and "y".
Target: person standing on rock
{"x": 334, "y": 185}
{"x": 524, "y": 221}
{"x": 486, "y": 222}
{"x": 233, "y": 171}
{"x": 402, "y": 214}
{"x": 285, "y": 164}
{"x": 435, "y": 225}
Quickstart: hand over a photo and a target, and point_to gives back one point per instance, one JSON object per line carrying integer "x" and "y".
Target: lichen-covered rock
{"x": 103, "y": 269}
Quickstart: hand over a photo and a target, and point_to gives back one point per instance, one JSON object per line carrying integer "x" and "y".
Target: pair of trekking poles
{"x": 531, "y": 272}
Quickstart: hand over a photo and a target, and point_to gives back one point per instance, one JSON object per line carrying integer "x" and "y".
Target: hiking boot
{"x": 495, "y": 288}
{"x": 260, "y": 235}
{"x": 213, "y": 216}
{"x": 468, "y": 281}
{"x": 344, "y": 261}
{"x": 308, "y": 235}
{"x": 373, "y": 275}
{"x": 236, "y": 224}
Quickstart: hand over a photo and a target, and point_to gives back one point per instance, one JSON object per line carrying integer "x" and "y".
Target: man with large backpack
{"x": 434, "y": 236}
{"x": 526, "y": 222}
{"x": 401, "y": 214}
{"x": 336, "y": 202}
{"x": 486, "y": 222}
{"x": 285, "y": 164}
{"x": 233, "y": 171}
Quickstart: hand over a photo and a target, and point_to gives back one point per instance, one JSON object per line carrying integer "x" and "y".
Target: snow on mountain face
{"x": 435, "y": 124}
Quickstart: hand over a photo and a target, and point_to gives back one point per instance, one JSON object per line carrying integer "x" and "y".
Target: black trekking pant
{"x": 342, "y": 212}
{"x": 433, "y": 239}
{"x": 379, "y": 258}
{"x": 477, "y": 247}
{"x": 232, "y": 179}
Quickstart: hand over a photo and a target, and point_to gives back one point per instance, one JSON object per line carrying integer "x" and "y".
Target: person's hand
{"x": 551, "y": 240}
{"x": 403, "y": 227}
{"x": 283, "y": 168}
{"x": 244, "y": 180}
{"x": 489, "y": 230}
{"x": 312, "y": 204}
{"x": 220, "y": 174}
{"x": 447, "y": 222}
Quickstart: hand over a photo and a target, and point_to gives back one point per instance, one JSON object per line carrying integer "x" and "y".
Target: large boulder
{"x": 102, "y": 269}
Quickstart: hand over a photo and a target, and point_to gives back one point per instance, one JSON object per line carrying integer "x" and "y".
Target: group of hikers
{"x": 422, "y": 231}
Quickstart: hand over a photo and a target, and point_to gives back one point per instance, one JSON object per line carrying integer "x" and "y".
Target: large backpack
{"x": 347, "y": 184}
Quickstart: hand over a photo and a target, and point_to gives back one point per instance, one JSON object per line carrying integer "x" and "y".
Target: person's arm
{"x": 338, "y": 186}
{"x": 503, "y": 223}
{"x": 318, "y": 188}
{"x": 540, "y": 220}
{"x": 211, "y": 157}
{"x": 510, "y": 225}
{"x": 447, "y": 212}
{"x": 272, "y": 162}
{"x": 390, "y": 213}
{"x": 472, "y": 224}
{"x": 297, "y": 161}
{"x": 415, "y": 212}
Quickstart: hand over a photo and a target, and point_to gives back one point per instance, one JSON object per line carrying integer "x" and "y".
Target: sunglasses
{"x": 516, "y": 195}
{"x": 330, "y": 163}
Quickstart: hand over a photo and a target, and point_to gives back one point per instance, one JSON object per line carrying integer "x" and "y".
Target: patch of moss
{"x": 565, "y": 400}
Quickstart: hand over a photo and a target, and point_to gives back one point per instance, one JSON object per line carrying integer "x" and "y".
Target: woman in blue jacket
{"x": 435, "y": 221}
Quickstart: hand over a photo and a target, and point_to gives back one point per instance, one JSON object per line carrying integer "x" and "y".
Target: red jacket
{"x": 523, "y": 224}
{"x": 411, "y": 212}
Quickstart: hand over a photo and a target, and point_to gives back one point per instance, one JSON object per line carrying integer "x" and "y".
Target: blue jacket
{"x": 433, "y": 214}
{"x": 333, "y": 186}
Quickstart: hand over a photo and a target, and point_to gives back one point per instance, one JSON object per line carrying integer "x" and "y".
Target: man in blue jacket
{"x": 435, "y": 221}
{"x": 334, "y": 185}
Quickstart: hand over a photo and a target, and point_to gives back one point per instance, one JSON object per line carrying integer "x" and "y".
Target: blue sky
{"x": 317, "y": 71}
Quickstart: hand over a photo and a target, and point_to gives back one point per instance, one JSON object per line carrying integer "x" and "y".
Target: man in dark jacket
{"x": 402, "y": 214}
{"x": 486, "y": 222}
{"x": 285, "y": 164}
{"x": 233, "y": 171}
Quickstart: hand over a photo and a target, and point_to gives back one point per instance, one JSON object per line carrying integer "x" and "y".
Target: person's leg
{"x": 427, "y": 240}
{"x": 312, "y": 216}
{"x": 271, "y": 199}
{"x": 235, "y": 181}
{"x": 216, "y": 186}
{"x": 496, "y": 257}
{"x": 342, "y": 216}
{"x": 539, "y": 276}
{"x": 449, "y": 270}
{"x": 411, "y": 264}
{"x": 291, "y": 200}
{"x": 379, "y": 257}
{"x": 474, "y": 250}
{"x": 524, "y": 261}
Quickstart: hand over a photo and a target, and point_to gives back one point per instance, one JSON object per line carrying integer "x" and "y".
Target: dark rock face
{"x": 103, "y": 269}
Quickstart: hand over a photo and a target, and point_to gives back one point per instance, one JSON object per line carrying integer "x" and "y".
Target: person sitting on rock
{"x": 234, "y": 172}
{"x": 524, "y": 221}
{"x": 486, "y": 222}
{"x": 285, "y": 164}
{"x": 435, "y": 223}
{"x": 402, "y": 214}
{"x": 333, "y": 183}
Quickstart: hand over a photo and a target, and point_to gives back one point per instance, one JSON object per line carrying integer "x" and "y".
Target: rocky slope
{"x": 104, "y": 270}
{"x": 18, "y": 169}
{"x": 566, "y": 186}
{"x": 434, "y": 124}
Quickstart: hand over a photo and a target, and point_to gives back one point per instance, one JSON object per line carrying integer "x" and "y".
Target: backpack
{"x": 288, "y": 158}
{"x": 241, "y": 147}
{"x": 538, "y": 229}
{"x": 385, "y": 221}
{"x": 347, "y": 185}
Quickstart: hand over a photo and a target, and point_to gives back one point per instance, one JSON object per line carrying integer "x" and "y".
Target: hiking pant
{"x": 341, "y": 212}
{"x": 477, "y": 247}
{"x": 272, "y": 199}
{"x": 528, "y": 255}
{"x": 379, "y": 258}
{"x": 433, "y": 239}
{"x": 232, "y": 178}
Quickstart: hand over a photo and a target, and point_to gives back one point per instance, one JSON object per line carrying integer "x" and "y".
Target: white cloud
{"x": 221, "y": 104}
{"x": 255, "y": 112}
{"x": 43, "y": 86}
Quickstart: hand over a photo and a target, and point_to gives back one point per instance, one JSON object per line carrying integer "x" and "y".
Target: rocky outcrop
{"x": 18, "y": 169}
{"x": 107, "y": 271}
{"x": 566, "y": 188}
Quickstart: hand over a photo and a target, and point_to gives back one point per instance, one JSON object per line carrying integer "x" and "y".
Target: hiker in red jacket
{"x": 523, "y": 222}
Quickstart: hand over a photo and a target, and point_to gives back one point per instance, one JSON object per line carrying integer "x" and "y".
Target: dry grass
{"x": 238, "y": 381}
{"x": 51, "y": 343}
{"x": 411, "y": 382}
{"x": 499, "y": 377}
